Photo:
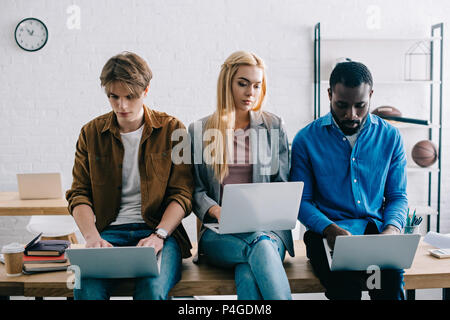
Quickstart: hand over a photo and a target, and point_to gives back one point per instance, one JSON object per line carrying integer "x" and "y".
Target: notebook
{"x": 30, "y": 268}
{"x": 46, "y": 247}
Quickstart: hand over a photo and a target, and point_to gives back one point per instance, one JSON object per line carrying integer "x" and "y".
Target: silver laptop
{"x": 357, "y": 253}
{"x": 116, "y": 262}
{"x": 39, "y": 185}
{"x": 258, "y": 207}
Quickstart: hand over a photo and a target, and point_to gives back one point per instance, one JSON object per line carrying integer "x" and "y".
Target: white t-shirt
{"x": 130, "y": 204}
{"x": 352, "y": 139}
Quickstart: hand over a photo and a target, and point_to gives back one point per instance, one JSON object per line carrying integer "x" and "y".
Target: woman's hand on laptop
{"x": 214, "y": 212}
{"x": 152, "y": 241}
{"x": 332, "y": 231}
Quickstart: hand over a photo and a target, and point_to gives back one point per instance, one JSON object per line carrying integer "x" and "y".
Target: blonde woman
{"x": 240, "y": 143}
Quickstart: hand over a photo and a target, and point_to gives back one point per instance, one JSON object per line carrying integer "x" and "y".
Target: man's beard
{"x": 342, "y": 124}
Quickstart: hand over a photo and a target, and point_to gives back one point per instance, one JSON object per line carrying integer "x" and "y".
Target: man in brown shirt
{"x": 126, "y": 191}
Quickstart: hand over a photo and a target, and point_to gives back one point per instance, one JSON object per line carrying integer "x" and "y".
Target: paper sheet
{"x": 439, "y": 240}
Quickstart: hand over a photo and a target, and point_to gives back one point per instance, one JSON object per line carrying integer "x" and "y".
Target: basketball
{"x": 424, "y": 153}
{"x": 387, "y": 111}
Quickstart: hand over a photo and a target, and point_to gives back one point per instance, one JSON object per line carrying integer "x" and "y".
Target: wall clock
{"x": 31, "y": 34}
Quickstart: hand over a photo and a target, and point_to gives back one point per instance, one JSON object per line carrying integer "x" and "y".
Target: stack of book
{"x": 45, "y": 255}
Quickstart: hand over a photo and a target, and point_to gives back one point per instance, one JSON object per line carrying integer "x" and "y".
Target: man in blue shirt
{"x": 353, "y": 165}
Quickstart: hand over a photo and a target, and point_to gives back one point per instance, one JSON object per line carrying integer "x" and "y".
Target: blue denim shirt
{"x": 350, "y": 186}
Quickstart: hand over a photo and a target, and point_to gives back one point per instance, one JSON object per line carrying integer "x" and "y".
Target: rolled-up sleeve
{"x": 81, "y": 190}
{"x": 396, "y": 201}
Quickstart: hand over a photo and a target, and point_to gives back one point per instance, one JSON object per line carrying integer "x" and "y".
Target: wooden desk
{"x": 11, "y": 205}
{"x": 197, "y": 280}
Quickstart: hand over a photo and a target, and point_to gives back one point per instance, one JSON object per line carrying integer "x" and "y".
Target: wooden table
{"x": 198, "y": 280}
{"x": 12, "y": 205}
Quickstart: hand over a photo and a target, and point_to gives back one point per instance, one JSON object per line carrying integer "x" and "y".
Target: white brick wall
{"x": 46, "y": 96}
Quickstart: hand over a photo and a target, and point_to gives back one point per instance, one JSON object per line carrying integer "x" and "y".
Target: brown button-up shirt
{"x": 97, "y": 172}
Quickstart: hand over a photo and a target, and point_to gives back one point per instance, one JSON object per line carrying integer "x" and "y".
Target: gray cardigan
{"x": 265, "y": 169}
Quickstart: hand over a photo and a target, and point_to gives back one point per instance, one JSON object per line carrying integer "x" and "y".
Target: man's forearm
{"x": 172, "y": 217}
{"x": 391, "y": 229}
{"x": 85, "y": 219}
{"x": 312, "y": 217}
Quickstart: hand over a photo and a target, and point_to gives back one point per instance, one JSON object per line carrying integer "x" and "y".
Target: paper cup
{"x": 13, "y": 254}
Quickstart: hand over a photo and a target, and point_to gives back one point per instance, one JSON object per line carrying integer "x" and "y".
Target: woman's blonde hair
{"x": 129, "y": 69}
{"x": 223, "y": 119}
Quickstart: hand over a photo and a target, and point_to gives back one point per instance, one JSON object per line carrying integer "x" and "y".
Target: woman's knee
{"x": 264, "y": 245}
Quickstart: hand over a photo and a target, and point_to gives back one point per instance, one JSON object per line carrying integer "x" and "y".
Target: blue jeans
{"x": 146, "y": 288}
{"x": 257, "y": 259}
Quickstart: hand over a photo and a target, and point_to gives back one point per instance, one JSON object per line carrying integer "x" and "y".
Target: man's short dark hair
{"x": 351, "y": 74}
